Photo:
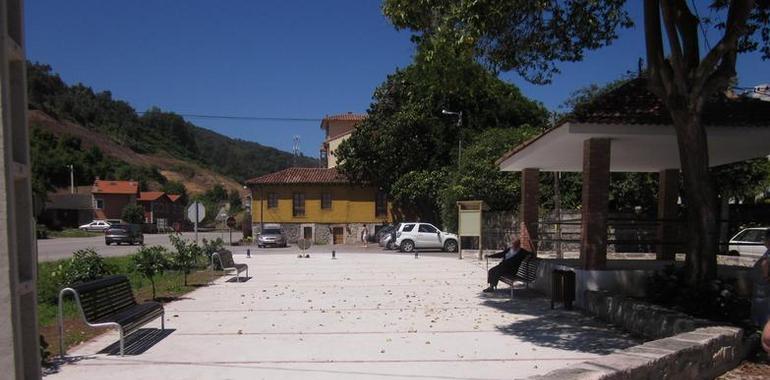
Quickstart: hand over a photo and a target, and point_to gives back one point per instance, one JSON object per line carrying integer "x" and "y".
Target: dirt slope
{"x": 196, "y": 178}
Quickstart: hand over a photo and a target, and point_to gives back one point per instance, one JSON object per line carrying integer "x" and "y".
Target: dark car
{"x": 124, "y": 233}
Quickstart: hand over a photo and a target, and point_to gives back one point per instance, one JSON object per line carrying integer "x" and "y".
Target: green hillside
{"x": 155, "y": 133}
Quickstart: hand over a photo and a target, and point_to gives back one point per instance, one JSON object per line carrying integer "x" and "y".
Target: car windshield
{"x": 271, "y": 231}
{"x": 119, "y": 226}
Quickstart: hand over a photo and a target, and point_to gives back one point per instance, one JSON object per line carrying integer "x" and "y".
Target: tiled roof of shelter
{"x": 115, "y": 187}
{"x": 633, "y": 103}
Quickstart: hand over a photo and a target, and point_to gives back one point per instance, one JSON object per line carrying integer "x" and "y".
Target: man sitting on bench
{"x": 512, "y": 258}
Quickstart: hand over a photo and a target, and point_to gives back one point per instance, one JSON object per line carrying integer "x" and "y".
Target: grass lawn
{"x": 169, "y": 286}
{"x": 72, "y": 233}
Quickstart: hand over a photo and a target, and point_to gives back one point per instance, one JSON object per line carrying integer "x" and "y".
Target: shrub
{"x": 185, "y": 255}
{"x": 212, "y": 246}
{"x": 85, "y": 265}
{"x": 150, "y": 262}
{"x": 133, "y": 214}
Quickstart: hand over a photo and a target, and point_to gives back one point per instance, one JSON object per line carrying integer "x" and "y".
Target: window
{"x": 272, "y": 200}
{"x": 298, "y": 204}
{"x": 99, "y": 203}
{"x": 408, "y": 227}
{"x": 381, "y": 204}
{"x": 427, "y": 228}
{"x": 326, "y": 201}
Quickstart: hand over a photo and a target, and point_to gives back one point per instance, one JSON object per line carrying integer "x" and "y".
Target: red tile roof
{"x": 149, "y": 196}
{"x": 633, "y": 103}
{"x": 342, "y": 117}
{"x": 115, "y": 187}
{"x": 174, "y": 197}
{"x": 300, "y": 176}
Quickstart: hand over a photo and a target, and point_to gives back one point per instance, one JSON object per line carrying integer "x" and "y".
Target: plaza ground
{"x": 363, "y": 315}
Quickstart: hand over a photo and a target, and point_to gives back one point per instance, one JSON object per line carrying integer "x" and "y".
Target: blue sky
{"x": 288, "y": 58}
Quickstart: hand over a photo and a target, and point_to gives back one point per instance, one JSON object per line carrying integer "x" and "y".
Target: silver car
{"x": 271, "y": 237}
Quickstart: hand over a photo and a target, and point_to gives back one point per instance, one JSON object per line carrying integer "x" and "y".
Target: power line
{"x": 236, "y": 117}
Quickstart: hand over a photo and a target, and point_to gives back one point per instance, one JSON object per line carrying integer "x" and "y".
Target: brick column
{"x": 528, "y": 212}
{"x": 596, "y": 186}
{"x": 668, "y": 192}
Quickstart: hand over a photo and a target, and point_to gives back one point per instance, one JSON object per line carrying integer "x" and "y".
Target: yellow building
{"x": 337, "y": 129}
{"x": 317, "y": 204}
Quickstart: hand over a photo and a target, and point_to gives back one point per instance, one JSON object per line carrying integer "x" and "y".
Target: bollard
{"x": 415, "y": 254}
{"x": 334, "y": 255}
{"x": 248, "y": 253}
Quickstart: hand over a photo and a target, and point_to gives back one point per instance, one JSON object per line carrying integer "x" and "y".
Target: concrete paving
{"x": 379, "y": 316}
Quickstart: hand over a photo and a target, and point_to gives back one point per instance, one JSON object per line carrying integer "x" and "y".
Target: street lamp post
{"x": 459, "y": 136}
{"x": 459, "y": 155}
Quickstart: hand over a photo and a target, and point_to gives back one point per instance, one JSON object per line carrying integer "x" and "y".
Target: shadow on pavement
{"x": 237, "y": 280}
{"x": 559, "y": 329}
{"x": 138, "y": 342}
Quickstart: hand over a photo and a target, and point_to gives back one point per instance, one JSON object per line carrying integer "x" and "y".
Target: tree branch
{"x": 687, "y": 24}
{"x": 716, "y": 58}
{"x": 657, "y": 65}
{"x": 680, "y": 78}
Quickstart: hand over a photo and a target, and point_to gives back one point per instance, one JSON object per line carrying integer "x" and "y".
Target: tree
{"x": 185, "y": 255}
{"x": 133, "y": 214}
{"x": 406, "y": 139}
{"x": 150, "y": 262}
{"x": 175, "y": 187}
{"x": 531, "y": 37}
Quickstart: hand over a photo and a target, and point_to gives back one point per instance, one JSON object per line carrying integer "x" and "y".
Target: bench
{"x": 109, "y": 302}
{"x": 225, "y": 258}
{"x": 526, "y": 273}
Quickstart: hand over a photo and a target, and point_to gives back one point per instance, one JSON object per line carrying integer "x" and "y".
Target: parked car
{"x": 95, "y": 226}
{"x": 124, "y": 233}
{"x": 424, "y": 236}
{"x": 748, "y": 242}
{"x": 385, "y": 236}
{"x": 387, "y": 242}
{"x": 271, "y": 236}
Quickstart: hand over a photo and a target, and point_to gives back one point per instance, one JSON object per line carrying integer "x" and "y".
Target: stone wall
{"x": 685, "y": 347}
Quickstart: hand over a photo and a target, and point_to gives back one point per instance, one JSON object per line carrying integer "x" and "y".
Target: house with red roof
{"x": 110, "y": 197}
{"x": 318, "y": 204}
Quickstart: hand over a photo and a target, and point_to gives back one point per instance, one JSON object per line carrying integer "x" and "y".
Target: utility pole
{"x": 72, "y": 178}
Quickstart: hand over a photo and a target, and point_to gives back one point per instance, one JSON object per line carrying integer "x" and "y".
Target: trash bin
{"x": 563, "y": 288}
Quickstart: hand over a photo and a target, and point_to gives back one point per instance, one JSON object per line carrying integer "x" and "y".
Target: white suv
{"x": 424, "y": 235}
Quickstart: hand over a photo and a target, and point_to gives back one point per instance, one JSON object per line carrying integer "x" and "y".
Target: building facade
{"x": 337, "y": 129}
{"x": 111, "y": 197}
{"x": 317, "y": 204}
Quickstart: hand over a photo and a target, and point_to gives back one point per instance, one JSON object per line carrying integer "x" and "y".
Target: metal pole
{"x": 460, "y": 139}
{"x": 72, "y": 178}
{"x": 557, "y": 207}
{"x": 196, "y": 222}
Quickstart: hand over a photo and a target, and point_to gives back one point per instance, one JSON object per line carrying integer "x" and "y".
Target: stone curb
{"x": 685, "y": 347}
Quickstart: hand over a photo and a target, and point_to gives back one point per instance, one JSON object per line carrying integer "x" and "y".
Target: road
{"x": 62, "y": 248}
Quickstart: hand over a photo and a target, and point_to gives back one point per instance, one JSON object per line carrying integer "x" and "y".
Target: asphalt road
{"x": 62, "y": 248}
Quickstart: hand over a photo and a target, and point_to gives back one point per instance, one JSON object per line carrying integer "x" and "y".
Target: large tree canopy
{"x": 406, "y": 146}
{"x": 405, "y": 129}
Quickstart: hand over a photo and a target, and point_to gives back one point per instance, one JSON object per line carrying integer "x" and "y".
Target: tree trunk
{"x": 699, "y": 197}
{"x": 152, "y": 282}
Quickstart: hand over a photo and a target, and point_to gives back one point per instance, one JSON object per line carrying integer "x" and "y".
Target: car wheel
{"x": 108, "y": 243}
{"x": 407, "y": 246}
{"x": 450, "y": 246}
{"x": 389, "y": 246}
